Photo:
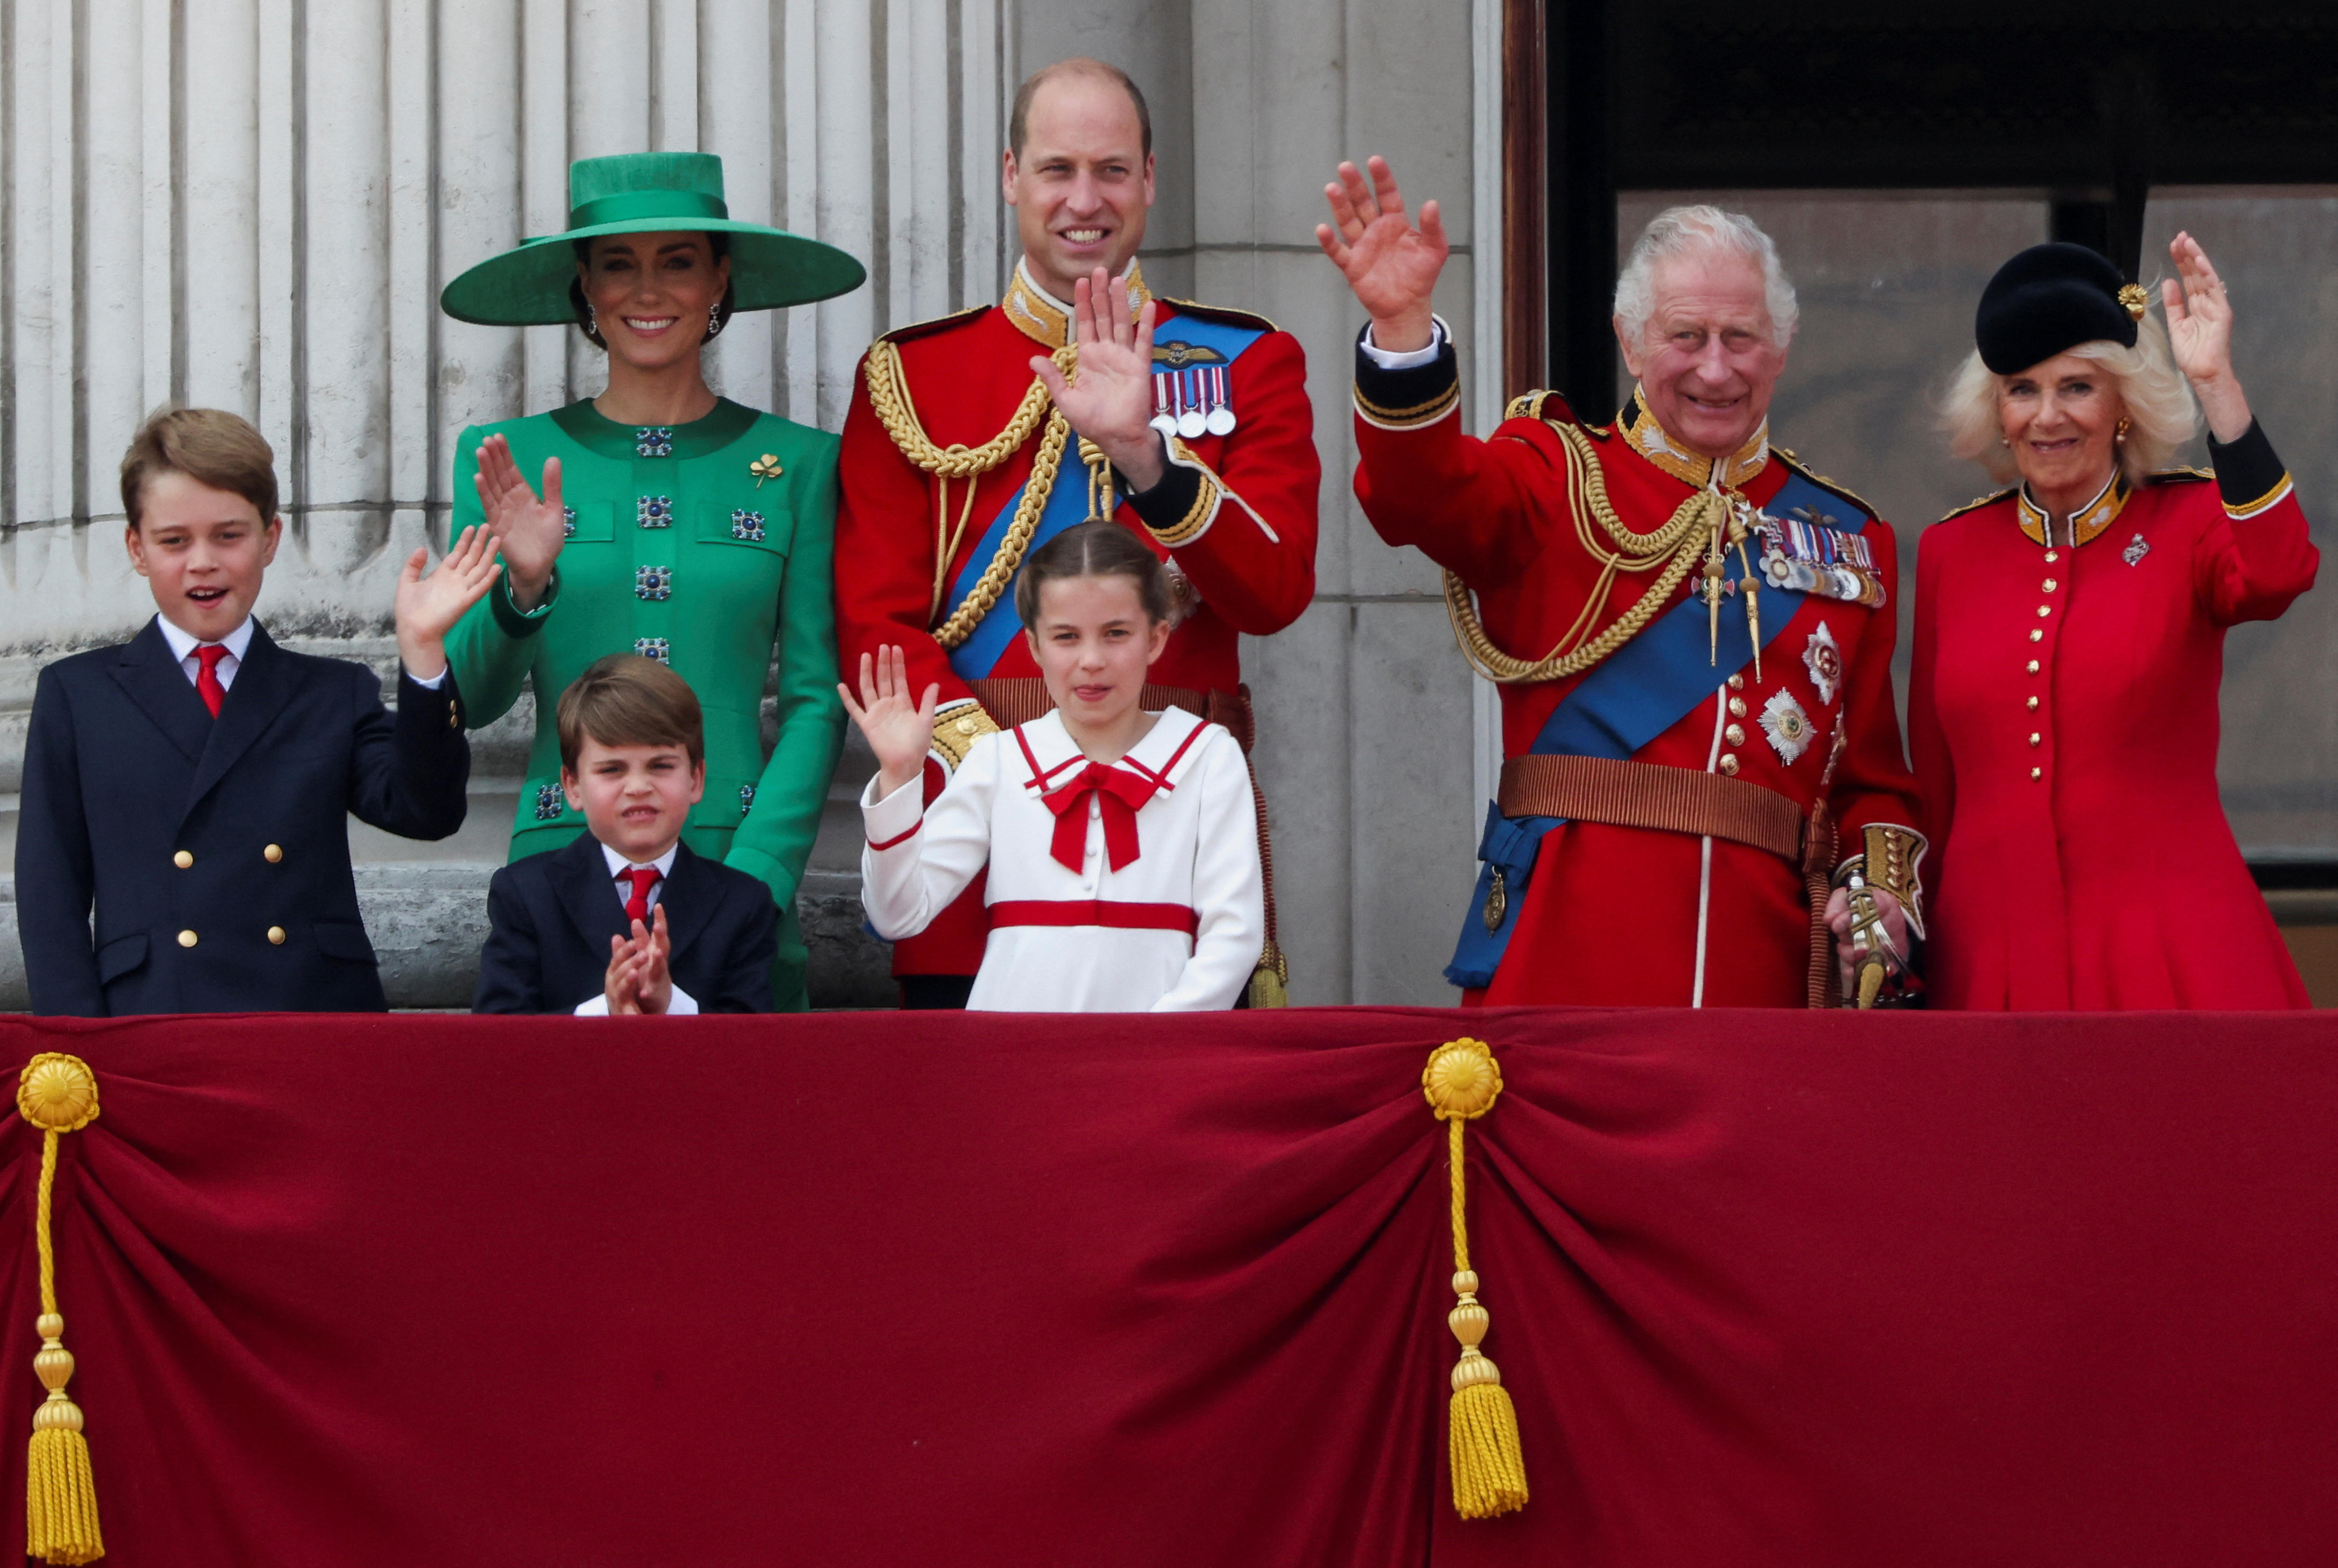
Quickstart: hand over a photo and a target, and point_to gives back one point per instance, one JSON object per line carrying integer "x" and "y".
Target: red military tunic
{"x": 1635, "y": 915}
{"x": 2063, "y": 717}
{"x": 1234, "y": 517}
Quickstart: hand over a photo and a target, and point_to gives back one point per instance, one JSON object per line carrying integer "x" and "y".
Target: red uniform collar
{"x": 1043, "y": 318}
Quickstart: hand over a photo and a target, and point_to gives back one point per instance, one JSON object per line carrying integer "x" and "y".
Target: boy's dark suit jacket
{"x": 550, "y": 917}
{"x": 125, "y": 770}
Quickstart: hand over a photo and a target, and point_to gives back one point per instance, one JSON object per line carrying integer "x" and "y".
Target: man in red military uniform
{"x": 966, "y": 447}
{"x": 1692, "y": 636}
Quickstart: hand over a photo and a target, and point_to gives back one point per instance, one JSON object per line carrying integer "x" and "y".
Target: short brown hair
{"x": 209, "y": 446}
{"x": 625, "y": 700}
{"x": 1018, "y": 122}
{"x": 1099, "y": 547}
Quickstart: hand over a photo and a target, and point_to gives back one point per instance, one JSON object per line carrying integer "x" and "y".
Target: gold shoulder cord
{"x": 1674, "y": 547}
{"x": 889, "y": 396}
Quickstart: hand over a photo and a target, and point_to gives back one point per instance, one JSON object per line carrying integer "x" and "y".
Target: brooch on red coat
{"x": 2134, "y": 552}
{"x": 1787, "y": 726}
{"x": 1824, "y": 659}
{"x": 1802, "y": 554}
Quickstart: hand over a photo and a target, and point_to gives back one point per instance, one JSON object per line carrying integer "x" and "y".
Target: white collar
{"x": 619, "y": 865}
{"x": 1165, "y": 750}
{"x": 183, "y": 643}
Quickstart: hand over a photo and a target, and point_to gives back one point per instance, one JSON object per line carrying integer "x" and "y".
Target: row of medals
{"x": 1193, "y": 403}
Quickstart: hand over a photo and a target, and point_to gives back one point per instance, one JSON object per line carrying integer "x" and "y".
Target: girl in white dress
{"x": 1122, "y": 845}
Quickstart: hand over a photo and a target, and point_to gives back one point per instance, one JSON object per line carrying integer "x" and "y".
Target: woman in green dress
{"x": 670, "y": 522}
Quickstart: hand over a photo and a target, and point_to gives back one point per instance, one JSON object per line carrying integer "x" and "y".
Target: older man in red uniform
{"x": 967, "y": 446}
{"x": 1692, "y": 634}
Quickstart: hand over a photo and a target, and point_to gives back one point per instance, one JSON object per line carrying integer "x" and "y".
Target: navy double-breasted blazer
{"x": 216, "y": 852}
{"x": 550, "y": 917}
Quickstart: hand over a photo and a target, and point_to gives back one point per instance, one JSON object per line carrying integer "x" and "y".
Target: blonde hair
{"x": 1696, "y": 230}
{"x": 2151, "y": 391}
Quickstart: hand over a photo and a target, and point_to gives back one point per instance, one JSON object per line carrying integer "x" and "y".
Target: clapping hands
{"x": 899, "y": 730}
{"x": 638, "y": 980}
{"x": 426, "y": 608}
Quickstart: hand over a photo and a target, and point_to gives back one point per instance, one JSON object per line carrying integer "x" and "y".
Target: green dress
{"x": 703, "y": 545}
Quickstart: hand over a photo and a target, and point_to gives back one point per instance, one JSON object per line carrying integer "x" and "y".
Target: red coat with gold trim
{"x": 1235, "y": 516}
{"x": 1629, "y": 915}
{"x": 2062, "y": 712}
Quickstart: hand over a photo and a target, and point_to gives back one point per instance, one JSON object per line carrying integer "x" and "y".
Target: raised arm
{"x": 492, "y": 646}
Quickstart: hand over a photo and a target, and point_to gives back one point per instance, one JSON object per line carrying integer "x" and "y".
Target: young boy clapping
{"x": 627, "y": 919}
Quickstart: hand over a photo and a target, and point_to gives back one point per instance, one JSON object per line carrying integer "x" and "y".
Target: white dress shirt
{"x": 682, "y": 1005}
{"x": 1407, "y": 358}
{"x": 1064, "y": 949}
{"x": 183, "y": 645}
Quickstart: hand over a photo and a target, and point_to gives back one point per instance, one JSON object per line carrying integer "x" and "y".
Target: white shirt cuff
{"x": 1410, "y": 359}
{"x": 433, "y": 683}
{"x": 683, "y": 1005}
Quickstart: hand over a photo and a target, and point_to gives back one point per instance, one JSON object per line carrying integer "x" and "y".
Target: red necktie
{"x": 643, "y": 879}
{"x": 1119, "y": 796}
{"x": 207, "y": 680}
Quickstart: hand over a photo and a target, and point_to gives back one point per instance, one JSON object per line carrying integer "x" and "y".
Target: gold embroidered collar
{"x": 2085, "y": 522}
{"x": 1043, "y": 318}
{"x": 1648, "y": 439}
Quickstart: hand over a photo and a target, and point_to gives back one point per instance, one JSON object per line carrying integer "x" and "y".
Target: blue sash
{"x": 1635, "y": 694}
{"x": 1067, "y": 504}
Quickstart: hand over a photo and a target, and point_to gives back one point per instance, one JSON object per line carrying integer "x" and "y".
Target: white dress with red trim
{"x": 1121, "y": 888}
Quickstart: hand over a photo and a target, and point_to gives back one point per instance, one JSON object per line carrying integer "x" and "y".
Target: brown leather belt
{"x": 1647, "y": 795}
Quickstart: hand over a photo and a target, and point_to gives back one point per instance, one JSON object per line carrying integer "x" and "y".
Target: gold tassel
{"x": 1461, "y": 1083}
{"x": 57, "y": 1093}
{"x": 1270, "y": 982}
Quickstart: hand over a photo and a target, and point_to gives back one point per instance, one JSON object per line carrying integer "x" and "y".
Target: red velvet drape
{"x": 879, "y": 1289}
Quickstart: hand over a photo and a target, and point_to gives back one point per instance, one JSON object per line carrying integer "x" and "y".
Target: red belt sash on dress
{"x": 1115, "y": 914}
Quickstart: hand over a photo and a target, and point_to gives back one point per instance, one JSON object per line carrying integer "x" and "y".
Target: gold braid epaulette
{"x": 889, "y": 399}
{"x": 1673, "y": 546}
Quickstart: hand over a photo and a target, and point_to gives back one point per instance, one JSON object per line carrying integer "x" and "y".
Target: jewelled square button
{"x": 653, "y": 441}
{"x": 655, "y": 510}
{"x": 549, "y": 802}
{"x": 748, "y": 526}
{"x": 568, "y": 522}
{"x": 652, "y": 582}
{"x": 656, "y": 648}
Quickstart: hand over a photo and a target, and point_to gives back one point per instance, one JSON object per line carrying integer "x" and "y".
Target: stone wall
{"x": 252, "y": 204}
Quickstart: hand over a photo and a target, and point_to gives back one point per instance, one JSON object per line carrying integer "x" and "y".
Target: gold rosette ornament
{"x": 58, "y": 1094}
{"x": 1461, "y": 1083}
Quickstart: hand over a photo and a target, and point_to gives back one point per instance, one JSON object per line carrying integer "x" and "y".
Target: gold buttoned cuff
{"x": 1201, "y": 512}
{"x": 956, "y": 729}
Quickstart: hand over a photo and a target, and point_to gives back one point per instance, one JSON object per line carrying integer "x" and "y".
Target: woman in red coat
{"x": 2069, "y": 639}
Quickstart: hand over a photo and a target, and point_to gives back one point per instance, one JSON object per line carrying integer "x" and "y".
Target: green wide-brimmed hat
{"x": 647, "y": 193}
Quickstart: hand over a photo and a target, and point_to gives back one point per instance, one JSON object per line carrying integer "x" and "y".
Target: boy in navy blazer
{"x": 627, "y": 919}
{"x": 193, "y": 785}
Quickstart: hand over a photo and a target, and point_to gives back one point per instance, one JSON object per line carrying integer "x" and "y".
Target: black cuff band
{"x": 1411, "y": 396}
{"x": 2247, "y": 471}
{"x": 1170, "y": 499}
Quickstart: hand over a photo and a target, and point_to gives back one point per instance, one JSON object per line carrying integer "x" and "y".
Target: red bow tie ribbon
{"x": 1119, "y": 796}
